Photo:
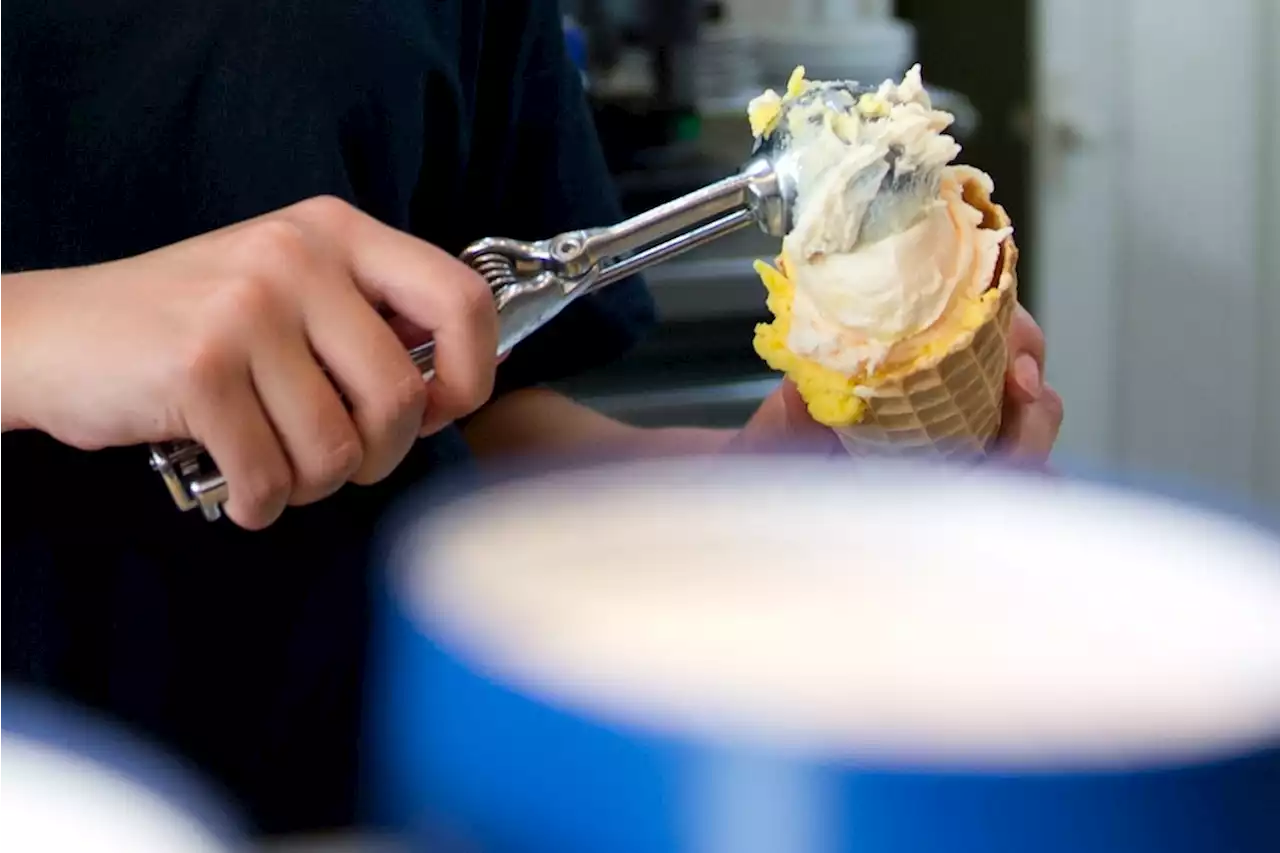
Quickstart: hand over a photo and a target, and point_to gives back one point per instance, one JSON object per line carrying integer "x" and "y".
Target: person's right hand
{"x": 222, "y": 339}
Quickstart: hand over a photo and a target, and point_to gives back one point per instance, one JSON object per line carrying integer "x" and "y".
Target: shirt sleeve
{"x": 537, "y": 162}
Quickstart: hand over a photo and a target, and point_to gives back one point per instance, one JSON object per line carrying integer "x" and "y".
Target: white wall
{"x": 1268, "y": 438}
{"x": 1190, "y": 264}
{"x": 1158, "y": 263}
{"x": 757, "y": 14}
{"x": 1079, "y": 128}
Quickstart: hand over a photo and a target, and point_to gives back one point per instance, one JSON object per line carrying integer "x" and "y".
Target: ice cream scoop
{"x": 806, "y": 140}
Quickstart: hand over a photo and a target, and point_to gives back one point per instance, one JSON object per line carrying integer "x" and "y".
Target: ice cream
{"x": 895, "y": 258}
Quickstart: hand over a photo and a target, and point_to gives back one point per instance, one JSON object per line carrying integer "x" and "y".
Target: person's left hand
{"x": 1032, "y": 409}
{"x": 1029, "y": 426}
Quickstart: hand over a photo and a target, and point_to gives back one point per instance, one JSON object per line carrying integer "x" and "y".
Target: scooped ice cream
{"x": 892, "y": 246}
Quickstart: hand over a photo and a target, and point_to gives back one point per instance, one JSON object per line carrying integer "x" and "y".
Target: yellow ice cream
{"x": 889, "y": 261}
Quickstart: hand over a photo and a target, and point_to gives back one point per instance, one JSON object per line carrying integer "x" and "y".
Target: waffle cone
{"x": 951, "y": 408}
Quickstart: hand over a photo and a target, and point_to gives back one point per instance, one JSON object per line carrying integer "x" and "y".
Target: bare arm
{"x": 14, "y": 321}
{"x": 538, "y": 421}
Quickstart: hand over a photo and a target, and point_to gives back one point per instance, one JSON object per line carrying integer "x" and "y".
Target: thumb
{"x": 782, "y": 422}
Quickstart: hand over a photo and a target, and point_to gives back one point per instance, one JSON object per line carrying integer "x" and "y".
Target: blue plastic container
{"x": 470, "y": 751}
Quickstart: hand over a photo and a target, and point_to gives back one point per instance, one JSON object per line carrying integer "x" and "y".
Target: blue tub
{"x": 483, "y": 738}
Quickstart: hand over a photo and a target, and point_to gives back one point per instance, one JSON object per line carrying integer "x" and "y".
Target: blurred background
{"x": 1136, "y": 144}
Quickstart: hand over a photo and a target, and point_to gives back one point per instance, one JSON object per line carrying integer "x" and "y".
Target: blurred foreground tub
{"x": 71, "y": 782}
{"x": 799, "y": 656}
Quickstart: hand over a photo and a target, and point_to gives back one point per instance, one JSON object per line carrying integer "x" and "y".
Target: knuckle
{"x": 390, "y": 426}
{"x": 473, "y": 301}
{"x": 326, "y": 210}
{"x": 403, "y": 400}
{"x": 460, "y": 402}
{"x": 245, "y": 299}
{"x": 274, "y": 244}
{"x": 464, "y": 394}
{"x": 229, "y": 318}
{"x": 217, "y": 350}
{"x": 332, "y": 462}
{"x": 262, "y": 497}
{"x": 211, "y": 362}
{"x": 409, "y": 395}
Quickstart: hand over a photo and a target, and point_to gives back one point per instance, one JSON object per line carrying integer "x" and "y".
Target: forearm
{"x": 541, "y": 422}
{"x": 17, "y": 319}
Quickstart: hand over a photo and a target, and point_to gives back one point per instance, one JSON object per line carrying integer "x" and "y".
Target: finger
{"x": 1026, "y": 356}
{"x": 804, "y": 430}
{"x": 1029, "y": 430}
{"x": 227, "y": 417}
{"x": 369, "y": 362}
{"x": 782, "y": 421}
{"x": 410, "y": 335}
{"x": 1025, "y": 336}
{"x": 1022, "y": 381}
{"x": 315, "y": 430}
{"x": 431, "y": 290}
{"x": 766, "y": 424}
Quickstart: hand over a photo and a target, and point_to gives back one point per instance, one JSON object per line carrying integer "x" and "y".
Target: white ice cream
{"x": 883, "y": 239}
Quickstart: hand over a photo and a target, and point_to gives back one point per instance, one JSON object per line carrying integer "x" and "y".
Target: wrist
{"x": 682, "y": 441}
{"x": 537, "y": 421}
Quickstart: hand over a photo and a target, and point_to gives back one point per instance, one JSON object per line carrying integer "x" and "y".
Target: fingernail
{"x": 1027, "y": 374}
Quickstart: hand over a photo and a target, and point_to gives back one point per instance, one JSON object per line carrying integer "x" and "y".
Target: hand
{"x": 1032, "y": 409}
{"x": 222, "y": 339}
{"x": 1029, "y": 427}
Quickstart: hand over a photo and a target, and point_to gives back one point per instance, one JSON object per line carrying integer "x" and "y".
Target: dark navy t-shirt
{"x": 128, "y": 125}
